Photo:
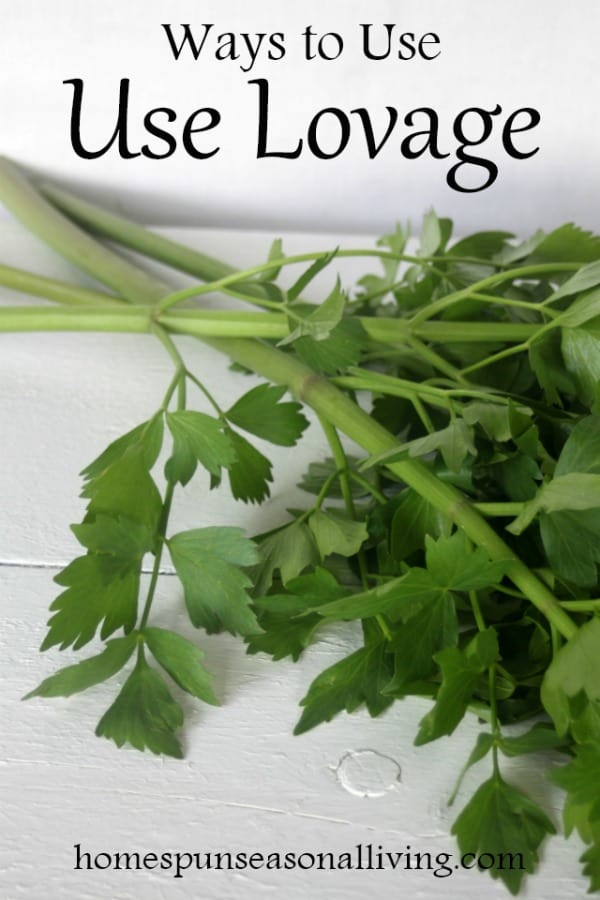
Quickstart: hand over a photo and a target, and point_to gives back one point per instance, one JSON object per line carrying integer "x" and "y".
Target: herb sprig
{"x": 465, "y": 540}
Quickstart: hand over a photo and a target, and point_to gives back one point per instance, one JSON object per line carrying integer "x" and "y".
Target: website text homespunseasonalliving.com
{"x": 361, "y": 857}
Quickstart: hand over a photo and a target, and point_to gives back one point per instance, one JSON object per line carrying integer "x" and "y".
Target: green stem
{"x": 480, "y": 621}
{"x": 491, "y": 281}
{"x": 179, "y": 380}
{"x": 162, "y": 531}
{"x": 40, "y": 217}
{"x": 341, "y": 462}
{"x": 436, "y": 361}
{"x": 367, "y": 487}
{"x": 592, "y": 606}
{"x": 507, "y": 510}
{"x": 199, "y": 323}
{"x": 52, "y": 289}
{"x": 77, "y": 318}
{"x": 495, "y": 357}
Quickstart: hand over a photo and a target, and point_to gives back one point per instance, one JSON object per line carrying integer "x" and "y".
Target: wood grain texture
{"x": 246, "y": 784}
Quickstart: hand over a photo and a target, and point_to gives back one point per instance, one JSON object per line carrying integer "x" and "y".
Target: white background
{"x": 539, "y": 53}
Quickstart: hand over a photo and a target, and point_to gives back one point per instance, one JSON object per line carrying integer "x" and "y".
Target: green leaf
{"x": 334, "y": 532}
{"x": 414, "y": 518}
{"x": 321, "y": 321}
{"x": 283, "y": 635}
{"x": 568, "y": 243}
{"x": 574, "y": 668}
{"x": 125, "y": 488}
{"x": 461, "y": 671}
{"x": 250, "y": 474}
{"x": 118, "y": 536}
{"x": 306, "y": 592}
{"x": 182, "y": 660}
{"x": 581, "y": 353}
{"x": 145, "y": 439}
{"x": 484, "y": 244}
{"x": 581, "y": 452}
{"x": 455, "y": 565}
{"x": 313, "y": 270}
{"x": 483, "y": 745}
{"x": 319, "y": 472}
{"x": 100, "y": 589}
{"x": 547, "y": 362}
{"x": 400, "y": 599}
{"x": 276, "y": 255}
{"x": 346, "y": 685}
{"x": 580, "y": 779}
{"x": 85, "y": 674}
{"x": 144, "y": 714}
{"x": 260, "y": 412}
{"x": 431, "y": 234}
{"x": 454, "y": 442}
{"x": 197, "y": 438}
{"x": 571, "y": 535}
{"x": 418, "y": 639}
{"x": 502, "y": 821}
{"x": 539, "y": 738}
{"x": 572, "y": 543}
{"x": 575, "y": 490}
{"x": 289, "y": 550}
{"x": 585, "y": 278}
{"x": 208, "y": 562}
{"x": 341, "y": 349}
{"x": 591, "y": 862}
{"x": 581, "y": 311}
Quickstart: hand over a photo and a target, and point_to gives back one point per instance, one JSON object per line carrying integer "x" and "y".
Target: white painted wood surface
{"x": 246, "y": 783}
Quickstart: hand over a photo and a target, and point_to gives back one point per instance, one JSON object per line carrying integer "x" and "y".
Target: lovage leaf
{"x": 309, "y": 274}
{"x": 581, "y": 352}
{"x": 320, "y": 322}
{"x": 289, "y": 550}
{"x": 145, "y": 439}
{"x": 580, "y": 778}
{"x": 417, "y": 640}
{"x": 144, "y": 714}
{"x": 125, "y": 488}
{"x": 571, "y": 535}
{"x": 414, "y": 518}
{"x": 461, "y": 671}
{"x": 100, "y": 589}
{"x": 335, "y": 353}
{"x": 456, "y": 566}
{"x": 346, "y": 685}
{"x": 182, "y": 660}
{"x": 575, "y": 668}
{"x": 83, "y": 675}
{"x": 283, "y": 634}
{"x": 334, "y": 532}
{"x": 572, "y": 542}
{"x": 250, "y": 473}
{"x": 575, "y": 490}
{"x": 208, "y": 562}
{"x": 197, "y": 438}
{"x": 581, "y": 452}
{"x": 504, "y": 824}
{"x": 116, "y": 535}
{"x": 260, "y": 412}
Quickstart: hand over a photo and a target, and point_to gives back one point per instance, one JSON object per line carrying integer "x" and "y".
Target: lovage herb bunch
{"x": 465, "y": 538}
